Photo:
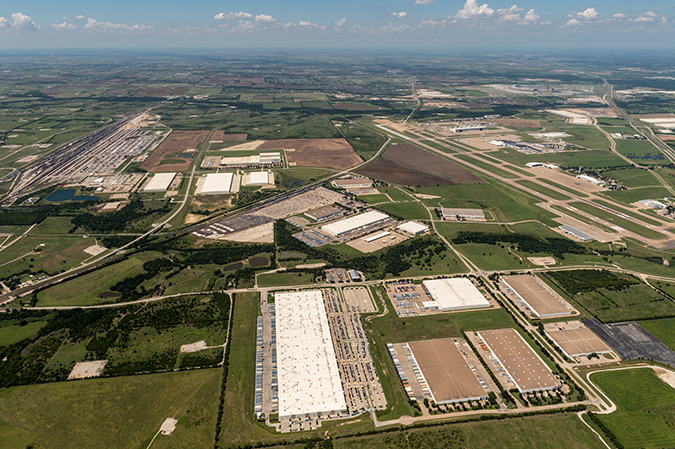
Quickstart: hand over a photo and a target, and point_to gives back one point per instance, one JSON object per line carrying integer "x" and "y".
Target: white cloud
{"x": 340, "y": 23}
{"x": 471, "y": 10}
{"x": 573, "y": 23}
{"x": 303, "y": 23}
{"x": 400, "y": 15}
{"x": 3, "y": 22}
{"x": 423, "y": 2}
{"x": 618, "y": 16}
{"x": 588, "y": 14}
{"x": 23, "y": 22}
{"x": 95, "y": 25}
{"x": 233, "y": 15}
{"x": 428, "y": 23}
{"x": 265, "y": 18}
{"x": 80, "y": 16}
{"x": 531, "y": 17}
{"x": 64, "y": 26}
{"x": 510, "y": 14}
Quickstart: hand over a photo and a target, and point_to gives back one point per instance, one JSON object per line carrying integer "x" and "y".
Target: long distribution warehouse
{"x": 309, "y": 379}
{"x": 355, "y": 223}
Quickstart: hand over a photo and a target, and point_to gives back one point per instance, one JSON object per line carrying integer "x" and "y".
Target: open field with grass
{"x": 492, "y": 257}
{"x": 537, "y": 432}
{"x": 612, "y": 297}
{"x": 16, "y": 333}
{"x": 633, "y": 177}
{"x": 636, "y": 194}
{"x": 544, "y": 190}
{"x": 663, "y": 329}
{"x": 406, "y": 211}
{"x": 613, "y": 218}
{"x": 588, "y": 158}
{"x": 562, "y": 187}
{"x": 374, "y": 199}
{"x": 282, "y": 279}
{"x": 628, "y": 212}
{"x": 646, "y": 408}
{"x": 484, "y": 165}
{"x": 112, "y": 413}
{"x": 84, "y": 290}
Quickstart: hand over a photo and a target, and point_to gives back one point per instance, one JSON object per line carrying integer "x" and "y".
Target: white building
{"x": 592, "y": 180}
{"x": 217, "y": 183}
{"x": 259, "y": 178}
{"x": 308, "y": 375}
{"x": 455, "y": 294}
{"x": 355, "y": 223}
{"x": 160, "y": 182}
{"x": 412, "y": 227}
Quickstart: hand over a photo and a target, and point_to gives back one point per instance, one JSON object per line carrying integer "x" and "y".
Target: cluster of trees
{"x": 581, "y": 281}
{"x": 527, "y": 243}
{"x": 25, "y": 216}
{"x": 102, "y": 330}
{"x": 119, "y": 220}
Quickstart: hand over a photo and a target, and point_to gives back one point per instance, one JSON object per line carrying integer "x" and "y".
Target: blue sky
{"x": 453, "y": 24}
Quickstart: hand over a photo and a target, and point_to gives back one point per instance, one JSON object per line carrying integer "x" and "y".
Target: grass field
{"x": 112, "y": 413}
{"x": 540, "y": 432}
{"x": 84, "y": 290}
{"x": 544, "y": 190}
{"x": 492, "y": 257}
{"x": 406, "y": 211}
{"x": 633, "y": 177}
{"x": 634, "y": 302}
{"x": 636, "y": 148}
{"x": 562, "y": 187}
{"x": 612, "y": 218}
{"x": 282, "y": 279}
{"x": 628, "y": 212}
{"x": 646, "y": 408}
{"x": 637, "y": 194}
{"x": 663, "y": 329}
{"x": 395, "y": 194}
{"x": 488, "y": 167}
{"x": 588, "y": 159}
{"x": 583, "y": 219}
{"x": 375, "y": 198}
{"x": 15, "y": 333}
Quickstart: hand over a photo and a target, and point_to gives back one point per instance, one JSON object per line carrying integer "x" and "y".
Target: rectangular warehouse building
{"x": 356, "y": 223}
{"x": 455, "y": 294}
{"x": 259, "y": 178}
{"x": 538, "y": 296}
{"x": 351, "y": 183}
{"x": 325, "y": 213}
{"x": 308, "y": 377}
{"x": 463, "y": 214}
{"x": 522, "y": 366}
{"x": 581, "y": 235}
{"x": 160, "y": 182}
{"x": 412, "y": 227}
{"x": 217, "y": 183}
{"x": 446, "y": 371}
{"x": 575, "y": 339}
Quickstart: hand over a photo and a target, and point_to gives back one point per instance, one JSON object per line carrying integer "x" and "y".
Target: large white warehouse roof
{"x": 160, "y": 182}
{"x": 309, "y": 379}
{"x": 218, "y": 183}
{"x": 456, "y": 294}
{"x": 259, "y": 178}
{"x": 355, "y": 222}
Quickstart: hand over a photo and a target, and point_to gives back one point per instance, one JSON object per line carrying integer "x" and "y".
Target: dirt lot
{"x": 412, "y": 166}
{"x": 331, "y": 153}
{"x": 518, "y": 123}
{"x": 221, "y": 136}
{"x": 177, "y": 142}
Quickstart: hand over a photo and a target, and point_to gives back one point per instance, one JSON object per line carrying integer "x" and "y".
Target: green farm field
{"x": 646, "y": 407}
{"x": 112, "y": 413}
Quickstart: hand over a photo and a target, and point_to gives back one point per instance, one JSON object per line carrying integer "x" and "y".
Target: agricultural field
{"x": 410, "y": 165}
{"x": 633, "y": 177}
{"x": 177, "y": 142}
{"x": 330, "y": 153}
{"x": 645, "y": 407}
